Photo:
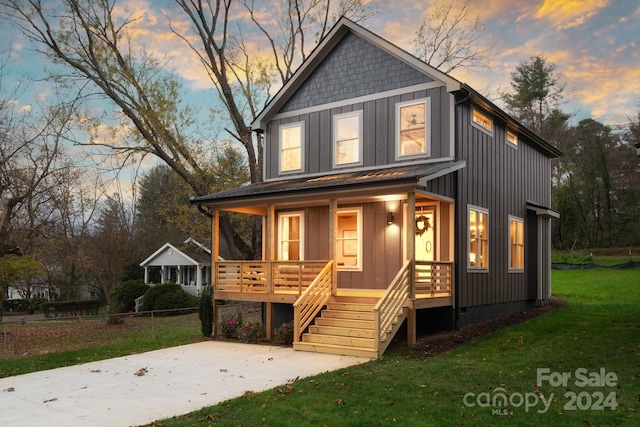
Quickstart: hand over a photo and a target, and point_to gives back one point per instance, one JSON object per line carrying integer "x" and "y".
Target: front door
{"x": 425, "y": 221}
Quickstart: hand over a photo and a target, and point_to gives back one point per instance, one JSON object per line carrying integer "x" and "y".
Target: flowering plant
{"x": 251, "y": 332}
{"x": 230, "y": 326}
{"x": 284, "y": 334}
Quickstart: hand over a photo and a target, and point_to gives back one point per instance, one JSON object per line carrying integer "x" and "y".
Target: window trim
{"x": 488, "y": 119}
{"x": 514, "y": 135}
{"x": 358, "y": 211}
{"x": 427, "y": 128}
{"x": 289, "y": 214}
{"x": 509, "y": 244}
{"x": 470, "y": 268}
{"x": 334, "y": 136}
{"x": 301, "y": 125}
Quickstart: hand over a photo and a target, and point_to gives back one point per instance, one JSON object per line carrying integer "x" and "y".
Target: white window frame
{"x": 512, "y": 138}
{"x": 299, "y": 125}
{"x": 486, "y": 125}
{"x": 515, "y": 219}
{"x": 337, "y": 117}
{"x": 281, "y": 217}
{"x": 427, "y": 128}
{"x": 477, "y": 268}
{"x": 339, "y": 239}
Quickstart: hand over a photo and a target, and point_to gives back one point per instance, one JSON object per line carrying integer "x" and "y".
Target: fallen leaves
{"x": 141, "y": 372}
{"x": 9, "y": 390}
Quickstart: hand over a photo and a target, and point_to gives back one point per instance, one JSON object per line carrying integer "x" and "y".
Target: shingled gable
{"x": 343, "y": 28}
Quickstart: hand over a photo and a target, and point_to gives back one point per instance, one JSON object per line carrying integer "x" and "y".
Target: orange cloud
{"x": 569, "y": 13}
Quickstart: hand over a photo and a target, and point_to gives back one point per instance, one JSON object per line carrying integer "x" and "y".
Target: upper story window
{"x": 347, "y": 139}
{"x": 290, "y": 242}
{"x": 482, "y": 121}
{"x": 512, "y": 138}
{"x": 412, "y": 128}
{"x": 478, "y": 238}
{"x": 349, "y": 239}
{"x": 291, "y": 143}
{"x": 516, "y": 244}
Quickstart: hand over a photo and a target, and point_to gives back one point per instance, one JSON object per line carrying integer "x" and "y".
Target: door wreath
{"x": 422, "y": 225}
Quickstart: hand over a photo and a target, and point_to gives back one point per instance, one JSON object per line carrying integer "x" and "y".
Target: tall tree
{"x": 451, "y": 37}
{"x": 535, "y": 93}
{"x": 95, "y": 45}
{"x": 110, "y": 248}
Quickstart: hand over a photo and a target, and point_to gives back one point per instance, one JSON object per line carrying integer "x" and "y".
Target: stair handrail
{"x": 391, "y": 303}
{"x": 316, "y": 296}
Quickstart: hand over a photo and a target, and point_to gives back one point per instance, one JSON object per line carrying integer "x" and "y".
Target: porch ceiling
{"x": 352, "y": 183}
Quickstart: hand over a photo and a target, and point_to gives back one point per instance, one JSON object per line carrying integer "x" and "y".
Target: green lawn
{"x": 599, "y": 331}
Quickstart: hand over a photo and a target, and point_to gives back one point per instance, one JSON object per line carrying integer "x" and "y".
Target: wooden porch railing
{"x": 291, "y": 277}
{"x": 390, "y": 305}
{"x": 309, "y": 304}
{"x": 433, "y": 278}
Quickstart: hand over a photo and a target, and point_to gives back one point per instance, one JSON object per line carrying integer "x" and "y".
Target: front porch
{"x": 331, "y": 319}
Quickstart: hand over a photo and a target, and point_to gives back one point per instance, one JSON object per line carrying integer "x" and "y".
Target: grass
{"x": 601, "y": 257}
{"x": 36, "y": 346}
{"x": 598, "y": 329}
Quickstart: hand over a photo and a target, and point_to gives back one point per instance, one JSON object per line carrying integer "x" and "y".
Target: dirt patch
{"x": 442, "y": 342}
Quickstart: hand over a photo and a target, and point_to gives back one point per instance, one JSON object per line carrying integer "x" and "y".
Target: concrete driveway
{"x": 146, "y": 387}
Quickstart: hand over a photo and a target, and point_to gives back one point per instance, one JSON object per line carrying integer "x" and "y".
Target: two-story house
{"x": 391, "y": 191}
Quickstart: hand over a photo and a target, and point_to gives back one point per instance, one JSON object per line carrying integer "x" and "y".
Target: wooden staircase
{"x": 348, "y": 327}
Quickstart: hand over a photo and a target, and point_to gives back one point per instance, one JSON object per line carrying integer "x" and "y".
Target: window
{"x": 482, "y": 121}
{"x": 291, "y": 140}
{"x": 516, "y": 244}
{"x": 512, "y": 138}
{"x": 349, "y": 239}
{"x": 346, "y": 137}
{"x": 478, "y": 239}
{"x": 413, "y": 130}
{"x": 290, "y": 240}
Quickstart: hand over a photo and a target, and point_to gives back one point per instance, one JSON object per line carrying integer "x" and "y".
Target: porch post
{"x": 215, "y": 256}
{"x": 333, "y": 212}
{"x": 270, "y": 237}
{"x": 146, "y": 275}
{"x": 411, "y": 249}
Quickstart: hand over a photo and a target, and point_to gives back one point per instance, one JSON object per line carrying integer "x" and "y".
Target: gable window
{"x": 347, "y": 138}
{"x": 516, "y": 244}
{"x": 349, "y": 239}
{"x": 412, "y": 128}
{"x": 291, "y": 142}
{"x": 482, "y": 121}
{"x": 512, "y": 138}
{"x": 290, "y": 236}
{"x": 478, "y": 238}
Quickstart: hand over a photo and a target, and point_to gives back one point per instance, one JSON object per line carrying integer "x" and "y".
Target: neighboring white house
{"x": 187, "y": 264}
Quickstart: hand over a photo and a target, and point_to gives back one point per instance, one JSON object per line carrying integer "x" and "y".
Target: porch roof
{"x": 410, "y": 175}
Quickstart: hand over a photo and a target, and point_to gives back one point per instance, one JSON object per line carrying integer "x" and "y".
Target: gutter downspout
{"x": 459, "y": 213}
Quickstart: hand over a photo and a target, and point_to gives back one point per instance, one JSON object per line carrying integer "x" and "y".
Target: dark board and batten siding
{"x": 501, "y": 179}
{"x": 378, "y": 133}
{"x": 382, "y": 248}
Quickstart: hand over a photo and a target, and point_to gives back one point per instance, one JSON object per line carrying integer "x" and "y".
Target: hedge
{"x": 70, "y": 308}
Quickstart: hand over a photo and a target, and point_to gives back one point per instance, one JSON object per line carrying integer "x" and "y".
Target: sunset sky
{"x": 595, "y": 44}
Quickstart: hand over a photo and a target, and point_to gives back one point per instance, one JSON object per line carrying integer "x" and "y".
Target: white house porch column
{"x": 146, "y": 274}
{"x": 199, "y": 278}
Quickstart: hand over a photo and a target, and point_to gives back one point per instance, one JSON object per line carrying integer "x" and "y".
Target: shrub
{"x": 205, "y": 311}
{"x": 251, "y": 332}
{"x": 284, "y": 334}
{"x": 167, "y": 296}
{"x": 230, "y": 325}
{"x": 70, "y": 308}
{"x": 125, "y": 294}
{"x": 15, "y": 305}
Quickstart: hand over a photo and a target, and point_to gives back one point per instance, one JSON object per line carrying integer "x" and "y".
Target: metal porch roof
{"x": 348, "y": 180}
